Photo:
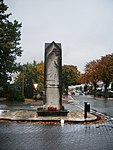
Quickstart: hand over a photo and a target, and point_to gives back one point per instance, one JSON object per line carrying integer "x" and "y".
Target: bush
{"x": 110, "y": 95}
{"x": 15, "y": 94}
{"x": 99, "y": 94}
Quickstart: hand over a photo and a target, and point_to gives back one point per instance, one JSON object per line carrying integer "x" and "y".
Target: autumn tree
{"x": 98, "y": 70}
{"x": 83, "y": 79}
{"x": 92, "y": 73}
{"x": 70, "y": 74}
{"x": 106, "y": 70}
{"x": 31, "y": 73}
{"x": 40, "y": 72}
{"x": 9, "y": 45}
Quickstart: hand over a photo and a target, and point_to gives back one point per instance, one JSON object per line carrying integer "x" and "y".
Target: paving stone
{"x": 57, "y": 137}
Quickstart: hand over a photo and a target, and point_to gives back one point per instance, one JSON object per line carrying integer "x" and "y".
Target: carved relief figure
{"x": 52, "y": 71}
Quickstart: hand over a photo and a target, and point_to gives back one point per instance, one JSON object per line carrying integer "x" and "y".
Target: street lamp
{"x": 35, "y": 86}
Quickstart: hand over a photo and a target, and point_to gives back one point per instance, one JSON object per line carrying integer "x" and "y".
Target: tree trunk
{"x": 95, "y": 86}
{"x": 66, "y": 90}
{"x": 105, "y": 92}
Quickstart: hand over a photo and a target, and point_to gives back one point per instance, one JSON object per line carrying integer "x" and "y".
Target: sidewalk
{"x": 28, "y": 113}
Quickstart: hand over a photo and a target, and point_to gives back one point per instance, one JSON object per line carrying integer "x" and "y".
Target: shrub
{"x": 15, "y": 94}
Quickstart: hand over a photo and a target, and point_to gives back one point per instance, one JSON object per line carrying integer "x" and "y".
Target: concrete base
{"x": 32, "y": 116}
{"x": 52, "y": 113}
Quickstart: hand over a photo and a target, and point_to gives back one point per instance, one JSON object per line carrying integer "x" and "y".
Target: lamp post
{"x": 35, "y": 86}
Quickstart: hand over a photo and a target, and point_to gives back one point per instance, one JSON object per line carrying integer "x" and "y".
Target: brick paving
{"x": 56, "y": 137}
{"x": 15, "y": 136}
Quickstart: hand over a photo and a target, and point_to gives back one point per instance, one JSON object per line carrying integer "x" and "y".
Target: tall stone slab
{"x": 52, "y": 75}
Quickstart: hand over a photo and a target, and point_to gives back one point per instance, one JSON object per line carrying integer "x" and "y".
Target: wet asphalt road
{"x": 99, "y": 104}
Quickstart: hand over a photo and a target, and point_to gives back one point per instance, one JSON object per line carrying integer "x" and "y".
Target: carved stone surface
{"x": 52, "y": 75}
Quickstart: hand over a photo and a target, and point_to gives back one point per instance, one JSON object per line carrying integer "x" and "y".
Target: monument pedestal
{"x": 52, "y": 113}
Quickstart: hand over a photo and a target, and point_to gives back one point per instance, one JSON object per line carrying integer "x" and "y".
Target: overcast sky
{"x": 83, "y": 27}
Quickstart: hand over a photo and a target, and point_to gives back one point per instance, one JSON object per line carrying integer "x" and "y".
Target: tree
{"x": 98, "y": 70}
{"x": 83, "y": 78}
{"x": 9, "y": 45}
{"x": 92, "y": 73}
{"x": 106, "y": 70}
{"x": 30, "y": 74}
{"x": 40, "y": 72}
{"x": 25, "y": 79}
{"x": 70, "y": 74}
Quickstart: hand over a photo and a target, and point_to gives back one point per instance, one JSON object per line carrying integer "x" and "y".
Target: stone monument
{"x": 53, "y": 81}
{"x": 52, "y": 76}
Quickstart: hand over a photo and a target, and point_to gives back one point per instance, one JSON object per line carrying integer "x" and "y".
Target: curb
{"x": 48, "y": 121}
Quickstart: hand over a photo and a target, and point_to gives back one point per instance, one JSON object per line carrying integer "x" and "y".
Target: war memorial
{"x": 53, "y": 81}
